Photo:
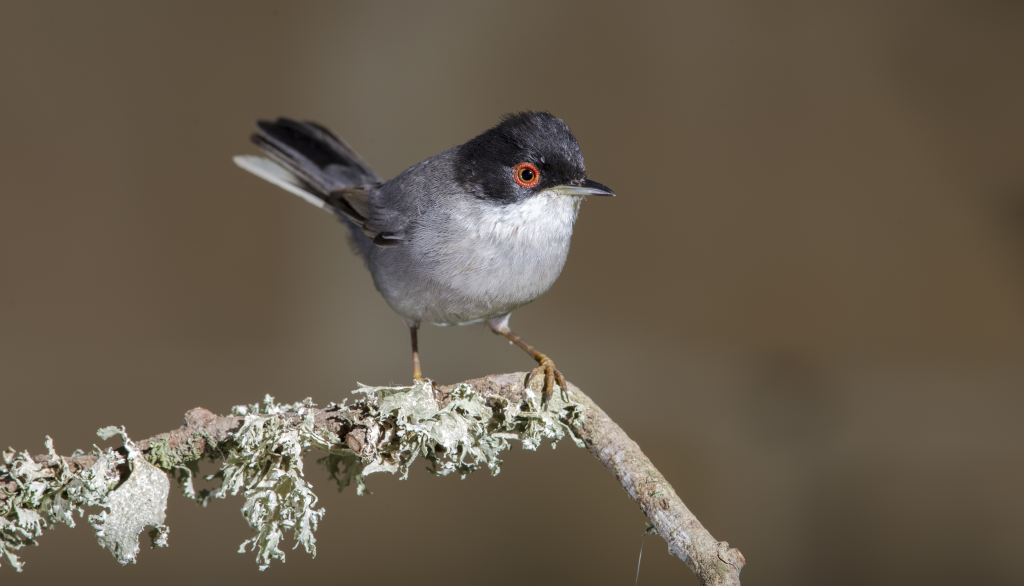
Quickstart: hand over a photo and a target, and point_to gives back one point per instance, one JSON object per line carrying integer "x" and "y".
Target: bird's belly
{"x": 486, "y": 273}
{"x": 471, "y": 288}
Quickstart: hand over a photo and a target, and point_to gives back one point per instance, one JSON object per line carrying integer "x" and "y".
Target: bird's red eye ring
{"x": 526, "y": 175}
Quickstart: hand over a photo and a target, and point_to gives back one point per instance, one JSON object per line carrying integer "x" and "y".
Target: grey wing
{"x": 358, "y": 204}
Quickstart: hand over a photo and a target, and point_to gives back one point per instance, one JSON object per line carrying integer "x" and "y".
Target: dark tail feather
{"x": 309, "y": 161}
{"x": 311, "y": 152}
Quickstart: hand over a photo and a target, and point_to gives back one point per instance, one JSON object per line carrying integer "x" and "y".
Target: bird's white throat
{"x": 544, "y": 219}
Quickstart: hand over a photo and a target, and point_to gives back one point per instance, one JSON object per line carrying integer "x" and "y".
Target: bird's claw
{"x": 436, "y": 388}
{"x": 423, "y": 379}
{"x": 551, "y": 376}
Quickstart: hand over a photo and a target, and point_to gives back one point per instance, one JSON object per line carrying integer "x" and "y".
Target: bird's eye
{"x": 526, "y": 174}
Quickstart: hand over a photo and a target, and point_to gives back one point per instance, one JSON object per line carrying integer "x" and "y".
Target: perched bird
{"x": 463, "y": 237}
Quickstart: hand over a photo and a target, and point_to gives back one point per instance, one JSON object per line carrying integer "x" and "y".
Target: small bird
{"x": 465, "y": 236}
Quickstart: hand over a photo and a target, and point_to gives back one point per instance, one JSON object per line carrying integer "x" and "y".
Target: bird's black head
{"x": 526, "y": 153}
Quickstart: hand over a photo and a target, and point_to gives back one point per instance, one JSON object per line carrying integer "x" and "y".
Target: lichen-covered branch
{"x": 458, "y": 428}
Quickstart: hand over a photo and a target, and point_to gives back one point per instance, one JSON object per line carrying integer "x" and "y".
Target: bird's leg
{"x": 414, "y": 326}
{"x": 417, "y": 374}
{"x": 546, "y": 366}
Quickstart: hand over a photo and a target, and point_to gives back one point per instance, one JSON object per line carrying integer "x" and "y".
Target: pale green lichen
{"x": 263, "y": 462}
{"x": 469, "y": 432}
{"x": 37, "y": 486}
{"x": 139, "y": 502}
{"x": 49, "y": 493}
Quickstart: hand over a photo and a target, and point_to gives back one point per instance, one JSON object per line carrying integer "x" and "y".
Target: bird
{"x": 463, "y": 237}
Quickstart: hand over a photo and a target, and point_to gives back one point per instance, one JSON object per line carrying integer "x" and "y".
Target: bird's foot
{"x": 436, "y": 388}
{"x": 551, "y": 375}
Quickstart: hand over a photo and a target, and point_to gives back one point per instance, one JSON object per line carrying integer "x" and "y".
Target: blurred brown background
{"x": 806, "y": 304}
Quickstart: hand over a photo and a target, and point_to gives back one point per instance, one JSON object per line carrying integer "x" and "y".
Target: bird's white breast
{"x": 490, "y": 259}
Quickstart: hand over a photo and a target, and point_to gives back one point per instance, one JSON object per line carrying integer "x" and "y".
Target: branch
{"x": 714, "y": 562}
{"x": 356, "y": 433}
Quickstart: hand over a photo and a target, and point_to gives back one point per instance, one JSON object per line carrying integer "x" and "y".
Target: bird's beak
{"x": 588, "y": 188}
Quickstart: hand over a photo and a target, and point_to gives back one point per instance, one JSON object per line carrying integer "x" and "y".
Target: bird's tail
{"x": 307, "y": 160}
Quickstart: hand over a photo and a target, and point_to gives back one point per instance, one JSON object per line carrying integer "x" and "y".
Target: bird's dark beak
{"x": 588, "y": 188}
{"x": 597, "y": 189}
